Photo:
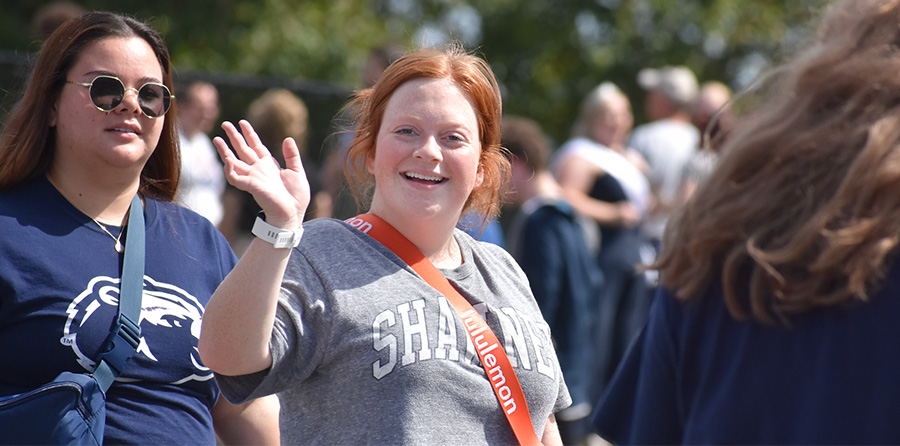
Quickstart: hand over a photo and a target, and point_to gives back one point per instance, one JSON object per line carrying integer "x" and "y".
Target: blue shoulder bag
{"x": 71, "y": 409}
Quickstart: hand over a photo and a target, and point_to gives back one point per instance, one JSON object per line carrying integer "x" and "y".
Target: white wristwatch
{"x": 279, "y": 238}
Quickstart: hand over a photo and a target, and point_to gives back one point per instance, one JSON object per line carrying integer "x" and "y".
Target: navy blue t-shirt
{"x": 59, "y": 285}
{"x": 698, "y": 376}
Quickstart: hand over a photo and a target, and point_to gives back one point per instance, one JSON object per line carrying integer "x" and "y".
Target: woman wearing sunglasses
{"x": 96, "y": 125}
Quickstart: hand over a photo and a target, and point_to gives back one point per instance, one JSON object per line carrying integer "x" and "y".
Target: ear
{"x": 370, "y": 165}
{"x": 479, "y": 176}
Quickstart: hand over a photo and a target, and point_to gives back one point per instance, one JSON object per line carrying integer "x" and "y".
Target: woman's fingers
{"x": 292, "y": 155}
{"x": 282, "y": 193}
{"x": 243, "y": 150}
{"x": 223, "y": 149}
{"x": 252, "y": 139}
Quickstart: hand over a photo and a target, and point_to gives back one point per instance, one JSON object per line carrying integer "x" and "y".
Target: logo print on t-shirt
{"x": 170, "y": 328}
{"x": 419, "y": 330}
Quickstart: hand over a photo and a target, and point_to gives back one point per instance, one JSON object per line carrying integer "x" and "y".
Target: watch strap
{"x": 278, "y": 237}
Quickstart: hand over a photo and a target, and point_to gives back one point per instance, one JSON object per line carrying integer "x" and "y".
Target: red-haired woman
{"x": 359, "y": 348}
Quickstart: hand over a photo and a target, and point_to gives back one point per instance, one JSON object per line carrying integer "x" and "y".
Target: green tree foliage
{"x": 550, "y": 54}
{"x": 547, "y": 54}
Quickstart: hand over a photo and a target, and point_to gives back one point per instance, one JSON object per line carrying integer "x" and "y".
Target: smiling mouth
{"x": 120, "y": 129}
{"x": 423, "y": 178}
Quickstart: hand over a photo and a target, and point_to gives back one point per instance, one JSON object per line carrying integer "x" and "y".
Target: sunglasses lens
{"x": 107, "y": 92}
{"x": 154, "y": 100}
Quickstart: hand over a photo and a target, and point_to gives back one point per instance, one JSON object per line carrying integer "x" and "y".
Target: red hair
{"x": 474, "y": 77}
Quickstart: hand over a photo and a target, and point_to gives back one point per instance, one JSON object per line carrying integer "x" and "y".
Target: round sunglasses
{"x": 107, "y": 92}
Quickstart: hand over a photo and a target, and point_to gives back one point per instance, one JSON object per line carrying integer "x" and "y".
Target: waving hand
{"x": 240, "y": 315}
{"x": 283, "y": 193}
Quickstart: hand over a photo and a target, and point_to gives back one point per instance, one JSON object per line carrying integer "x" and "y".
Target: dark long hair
{"x": 27, "y": 144}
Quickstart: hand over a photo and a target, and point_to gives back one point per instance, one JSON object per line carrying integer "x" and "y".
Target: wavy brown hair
{"x": 803, "y": 210}
{"x": 28, "y": 143}
{"x": 474, "y": 77}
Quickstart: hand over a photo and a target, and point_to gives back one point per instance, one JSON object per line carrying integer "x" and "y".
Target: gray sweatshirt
{"x": 366, "y": 352}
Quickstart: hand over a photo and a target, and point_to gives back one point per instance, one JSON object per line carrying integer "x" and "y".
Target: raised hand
{"x": 283, "y": 193}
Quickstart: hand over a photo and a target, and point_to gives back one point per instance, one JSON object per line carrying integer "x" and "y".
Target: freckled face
{"x": 90, "y": 140}
{"x": 427, "y": 152}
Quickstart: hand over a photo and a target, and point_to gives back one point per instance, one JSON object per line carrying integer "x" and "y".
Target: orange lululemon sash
{"x": 492, "y": 355}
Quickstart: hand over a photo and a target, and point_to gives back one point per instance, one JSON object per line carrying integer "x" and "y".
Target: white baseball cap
{"x": 677, "y": 83}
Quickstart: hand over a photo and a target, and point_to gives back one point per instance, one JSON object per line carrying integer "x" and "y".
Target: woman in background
{"x": 778, "y": 319}
{"x": 603, "y": 179}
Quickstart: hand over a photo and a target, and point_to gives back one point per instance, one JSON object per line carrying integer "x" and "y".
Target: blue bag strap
{"x": 125, "y": 334}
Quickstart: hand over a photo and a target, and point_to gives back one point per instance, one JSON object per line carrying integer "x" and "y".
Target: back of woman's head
{"x": 475, "y": 78}
{"x": 279, "y": 114}
{"x": 802, "y": 210}
{"x": 28, "y": 142}
{"x": 525, "y": 140}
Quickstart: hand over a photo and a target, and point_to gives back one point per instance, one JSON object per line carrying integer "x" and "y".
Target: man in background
{"x": 202, "y": 178}
{"x": 668, "y": 140}
{"x": 547, "y": 238}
